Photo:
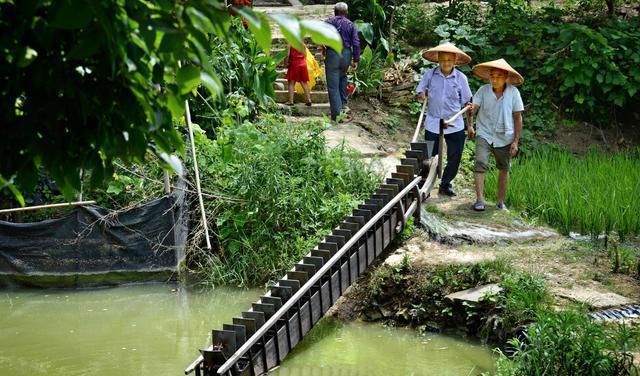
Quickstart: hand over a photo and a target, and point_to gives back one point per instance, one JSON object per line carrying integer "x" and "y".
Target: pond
{"x": 156, "y": 329}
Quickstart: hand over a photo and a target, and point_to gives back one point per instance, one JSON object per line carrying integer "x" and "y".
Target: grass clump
{"x": 592, "y": 195}
{"x": 288, "y": 192}
{"x": 571, "y": 343}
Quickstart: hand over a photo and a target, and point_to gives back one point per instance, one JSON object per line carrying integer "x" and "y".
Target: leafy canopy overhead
{"x": 84, "y": 82}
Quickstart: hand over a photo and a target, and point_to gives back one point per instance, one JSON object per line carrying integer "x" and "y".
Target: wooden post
{"x": 187, "y": 115}
{"x": 416, "y": 134}
{"x": 167, "y": 186}
{"x": 440, "y": 147}
{"x": 81, "y": 184}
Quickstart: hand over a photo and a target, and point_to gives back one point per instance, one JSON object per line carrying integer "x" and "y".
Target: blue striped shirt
{"x": 447, "y": 96}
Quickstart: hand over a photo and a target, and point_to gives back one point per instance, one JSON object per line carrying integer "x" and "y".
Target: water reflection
{"x": 367, "y": 349}
{"x": 130, "y": 330}
{"x": 156, "y": 330}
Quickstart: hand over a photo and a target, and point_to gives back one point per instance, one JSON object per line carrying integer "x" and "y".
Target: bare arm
{"x": 517, "y": 122}
{"x": 471, "y": 133}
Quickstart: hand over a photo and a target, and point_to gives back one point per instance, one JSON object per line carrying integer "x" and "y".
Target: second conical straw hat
{"x": 432, "y": 53}
{"x": 483, "y": 70}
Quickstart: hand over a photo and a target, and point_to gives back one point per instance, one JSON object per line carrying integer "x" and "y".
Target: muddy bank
{"x": 458, "y": 249}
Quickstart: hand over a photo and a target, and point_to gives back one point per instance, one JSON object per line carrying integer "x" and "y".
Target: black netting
{"x": 93, "y": 245}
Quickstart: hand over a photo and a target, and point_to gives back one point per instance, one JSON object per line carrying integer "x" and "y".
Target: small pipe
{"x": 61, "y": 205}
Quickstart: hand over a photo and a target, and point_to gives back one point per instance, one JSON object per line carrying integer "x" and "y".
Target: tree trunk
{"x": 611, "y": 8}
{"x": 393, "y": 14}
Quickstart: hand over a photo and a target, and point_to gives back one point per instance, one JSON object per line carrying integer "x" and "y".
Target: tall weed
{"x": 290, "y": 192}
{"x": 571, "y": 343}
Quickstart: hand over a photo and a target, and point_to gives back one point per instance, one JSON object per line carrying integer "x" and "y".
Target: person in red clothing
{"x": 297, "y": 72}
{"x": 240, "y": 4}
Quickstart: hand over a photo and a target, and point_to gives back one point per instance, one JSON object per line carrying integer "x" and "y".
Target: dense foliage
{"x": 84, "y": 83}
{"x": 572, "y": 62}
{"x": 289, "y": 191}
{"x": 571, "y": 343}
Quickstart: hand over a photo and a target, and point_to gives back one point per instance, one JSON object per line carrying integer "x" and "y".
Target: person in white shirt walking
{"x": 498, "y": 125}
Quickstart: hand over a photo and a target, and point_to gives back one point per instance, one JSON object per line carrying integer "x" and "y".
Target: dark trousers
{"x": 336, "y": 66}
{"x": 455, "y": 145}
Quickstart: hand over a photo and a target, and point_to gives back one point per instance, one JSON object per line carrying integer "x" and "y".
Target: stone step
{"x": 299, "y": 109}
{"x": 279, "y": 42}
{"x": 476, "y": 294}
{"x": 316, "y": 96}
{"x": 282, "y": 72}
{"x": 274, "y": 3}
{"x": 319, "y": 86}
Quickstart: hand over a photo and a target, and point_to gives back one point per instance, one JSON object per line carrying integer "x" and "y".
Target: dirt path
{"x": 575, "y": 271}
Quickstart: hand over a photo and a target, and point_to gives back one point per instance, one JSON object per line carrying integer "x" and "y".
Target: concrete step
{"x": 279, "y": 42}
{"x": 282, "y": 72}
{"x": 316, "y": 96}
{"x": 299, "y": 109}
{"x": 272, "y": 3}
{"x": 319, "y": 86}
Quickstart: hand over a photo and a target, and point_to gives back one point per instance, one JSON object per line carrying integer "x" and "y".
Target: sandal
{"x": 479, "y": 205}
{"x": 346, "y": 119}
{"x": 502, "y": 206}
{"x": 289, "y": 103}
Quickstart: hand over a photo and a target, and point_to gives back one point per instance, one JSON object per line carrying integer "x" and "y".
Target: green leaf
{"x": 200, "y": 20}
{"x": 72, "y": 15}
{"x": 259, "y": 26}
{"x": 290, "y": 27}
{"x": 188, "y": 78}
{"x": 16, "y": 193}
{"x": 323, "y": 33}
{"x": 27, "y": 57}
{"x": 176, "y": 106}
{"x": 385, "y": 44}
{"x": 366, "y": 29}
{"x": 171, "y": 42}
{"x": 114, "y": 188}
{"x": 173, "y": 162}
{"x": 212, "y": 83}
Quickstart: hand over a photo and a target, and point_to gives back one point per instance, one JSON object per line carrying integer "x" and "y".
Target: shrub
{"x": 289, "y": 191}
{"x": 571, "y": 343}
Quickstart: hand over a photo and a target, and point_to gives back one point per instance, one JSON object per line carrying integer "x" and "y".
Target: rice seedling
{"x": 596, "y": 194}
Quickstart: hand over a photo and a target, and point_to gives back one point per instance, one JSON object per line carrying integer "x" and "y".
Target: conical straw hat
{"x": 483, "y": 70}
{"x": 432, "y": 53}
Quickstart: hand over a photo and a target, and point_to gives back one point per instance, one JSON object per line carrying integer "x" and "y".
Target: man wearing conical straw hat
{"x": 499, "y": 125}
{"x": 448, "y": 91}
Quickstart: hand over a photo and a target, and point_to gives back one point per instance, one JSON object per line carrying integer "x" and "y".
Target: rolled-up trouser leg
{"x": 332, "y": 64}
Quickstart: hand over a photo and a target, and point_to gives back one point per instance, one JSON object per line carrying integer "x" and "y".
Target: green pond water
{"x": 156, "y": 329}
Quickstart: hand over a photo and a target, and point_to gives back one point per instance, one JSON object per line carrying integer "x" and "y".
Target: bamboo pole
{"x": 47, "y": 206}
{"x": 187, "y": 116}
{"x": 166, "y": 183}
{"x": 457, "y": 115}
{"x": 416, "y": 134}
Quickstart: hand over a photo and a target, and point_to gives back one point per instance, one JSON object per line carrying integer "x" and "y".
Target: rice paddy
{"x": 595, "y": 194}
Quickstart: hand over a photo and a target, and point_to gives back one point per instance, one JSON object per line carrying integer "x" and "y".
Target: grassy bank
{"x": 288, "y": 191}
{"x": 596, "y": 194}
{"x": 522, "y": 319}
